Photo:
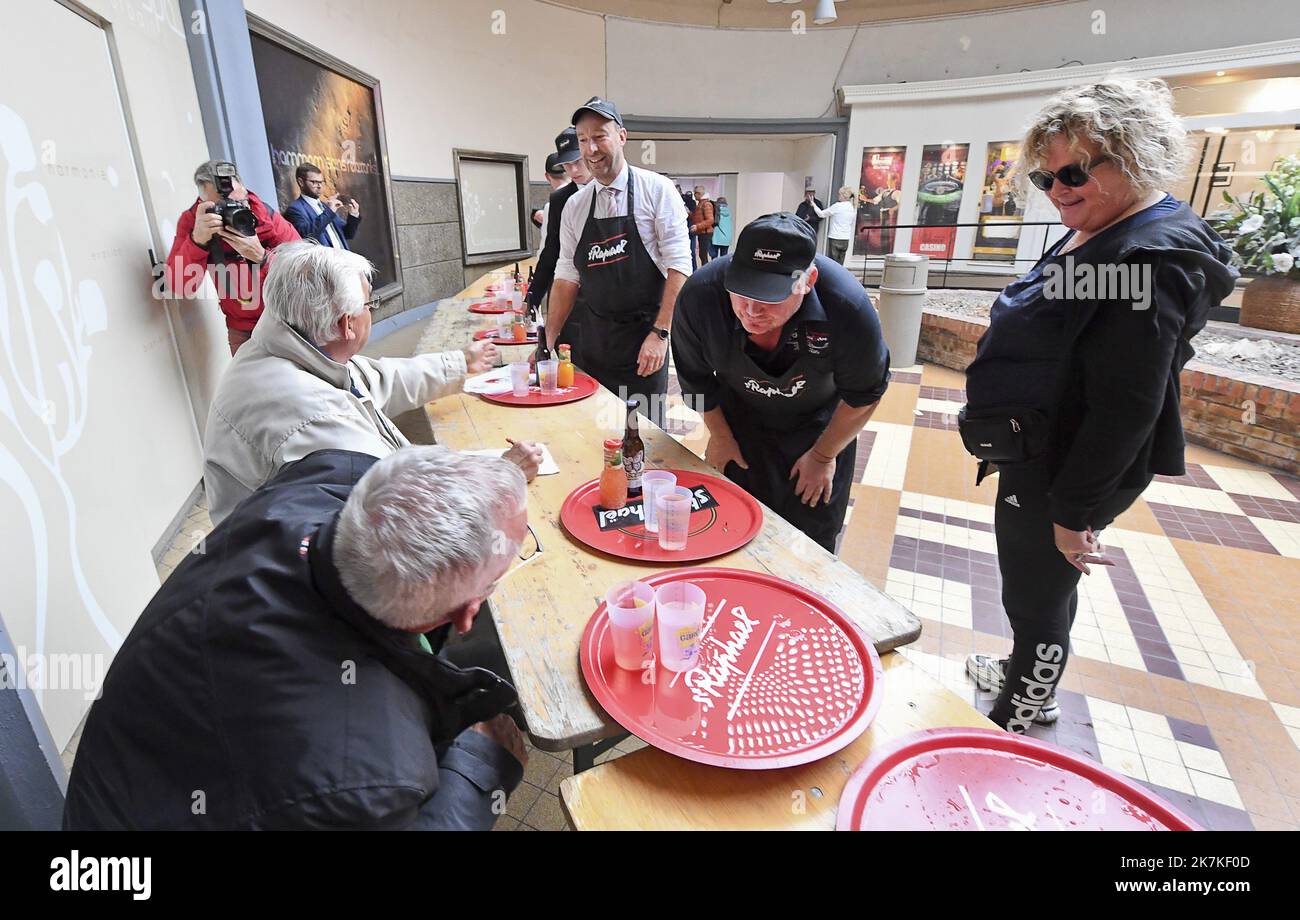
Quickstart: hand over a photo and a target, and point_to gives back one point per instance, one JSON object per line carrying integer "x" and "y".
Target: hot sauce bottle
{"x": 613, "y": 480}
{"x": 566, "y": 366}
{"x": 519, "y": 331}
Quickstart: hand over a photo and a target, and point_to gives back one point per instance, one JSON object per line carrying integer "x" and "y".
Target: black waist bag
{"x": 1011, "y": 435}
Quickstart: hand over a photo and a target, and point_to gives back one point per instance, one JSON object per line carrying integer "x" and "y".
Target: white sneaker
{"x": 987, "y": 671}
{"x": 989, "y": 674}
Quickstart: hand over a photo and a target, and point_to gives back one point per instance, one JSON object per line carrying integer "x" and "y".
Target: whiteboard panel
{"x": 490, "y": 206}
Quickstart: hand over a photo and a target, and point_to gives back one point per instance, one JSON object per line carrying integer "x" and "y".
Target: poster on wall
{"x": 878, "y": 200}
{"x": 321, "y": 111}
{"x": 938, "y": 199}
{"x": 1002, "y": 206}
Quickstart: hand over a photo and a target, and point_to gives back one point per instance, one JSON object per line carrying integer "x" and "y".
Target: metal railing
{"x": 947, "y": 263}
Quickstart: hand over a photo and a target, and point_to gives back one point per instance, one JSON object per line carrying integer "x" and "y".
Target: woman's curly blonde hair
{"x": 1132, "y": 121}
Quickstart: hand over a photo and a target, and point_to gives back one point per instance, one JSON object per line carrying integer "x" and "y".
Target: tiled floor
{"x": 1185, "y": 666}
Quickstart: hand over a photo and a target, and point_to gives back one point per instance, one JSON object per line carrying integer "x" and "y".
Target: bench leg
{"x": 584, "y": 758}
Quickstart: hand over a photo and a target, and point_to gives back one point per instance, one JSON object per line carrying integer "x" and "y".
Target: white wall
{"x": 98, "y": 441}
{"x": 454, "y": 74}
{"x": 657, "y": 69}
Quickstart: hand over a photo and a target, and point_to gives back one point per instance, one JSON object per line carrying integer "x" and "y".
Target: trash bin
{"x": 902, "y": 297}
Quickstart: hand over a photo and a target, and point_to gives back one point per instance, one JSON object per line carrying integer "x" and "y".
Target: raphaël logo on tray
{"x": 103, "y": 873}
{"x": 1105, "y": 281}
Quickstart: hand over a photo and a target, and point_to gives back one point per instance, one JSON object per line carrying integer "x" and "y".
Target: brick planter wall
{"x": 1252, "y": 417}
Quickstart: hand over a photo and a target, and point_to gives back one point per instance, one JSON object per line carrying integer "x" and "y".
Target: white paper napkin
{"x": 548, "y": 465}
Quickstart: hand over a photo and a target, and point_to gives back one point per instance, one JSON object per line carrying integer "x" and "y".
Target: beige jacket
{"x": 282, "y": 399}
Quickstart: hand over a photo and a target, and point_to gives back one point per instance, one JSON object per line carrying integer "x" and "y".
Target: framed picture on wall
{"x": 322, "y": 111}
{"x": 492, "y": 189}
{"x": 878, "y": 200}
{"x": 1002, "y": 206}
{"x": 938, "y": 198}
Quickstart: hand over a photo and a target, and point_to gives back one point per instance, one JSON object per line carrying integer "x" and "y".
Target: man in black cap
{"x": 556, "y": 178}
{"x": 781, "y": 351}
{"x": 568, "y": 158}
{"x": 624, "y": 244}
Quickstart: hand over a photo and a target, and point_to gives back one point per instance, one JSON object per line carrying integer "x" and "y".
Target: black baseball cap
{"x": 566, "y": 146}
{"x": 769, "y": 253}
{"x": 553, "y": 164}
{"x": 602, "y": 107}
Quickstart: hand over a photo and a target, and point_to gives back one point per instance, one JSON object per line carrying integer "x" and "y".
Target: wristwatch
{"x": 662, "y": 333}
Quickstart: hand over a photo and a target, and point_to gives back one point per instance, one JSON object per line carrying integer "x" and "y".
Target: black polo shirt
{"x": 839, "y": 317}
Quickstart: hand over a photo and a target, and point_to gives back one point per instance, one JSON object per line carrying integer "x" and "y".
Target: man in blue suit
{"x": 319, "y": 220}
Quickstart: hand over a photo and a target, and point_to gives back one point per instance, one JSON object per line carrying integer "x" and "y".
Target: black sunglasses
{"x": 1072, "y": 175}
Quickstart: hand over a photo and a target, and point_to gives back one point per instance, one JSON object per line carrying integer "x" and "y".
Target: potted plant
{"x": 1263, "y": 230}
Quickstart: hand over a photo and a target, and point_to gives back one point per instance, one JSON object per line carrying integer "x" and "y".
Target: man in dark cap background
{"x": 569, "y": 158}
{"x": 781, "y": 351}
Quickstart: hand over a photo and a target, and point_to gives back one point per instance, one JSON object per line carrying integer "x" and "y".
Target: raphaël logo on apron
{"x": 633, "y": 512}
{"x": 768, "y": 388}
{"x": 767, "y": 255}
{"x": 607, "y": 252}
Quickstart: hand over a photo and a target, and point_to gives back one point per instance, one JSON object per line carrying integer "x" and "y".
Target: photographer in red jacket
{"x": 228, "y": 235}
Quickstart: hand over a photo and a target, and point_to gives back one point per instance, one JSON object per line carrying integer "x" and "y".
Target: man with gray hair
{"x": 227, "y": 234}
{"x": 301, "y": 384}
{"x": 286, "y": 678}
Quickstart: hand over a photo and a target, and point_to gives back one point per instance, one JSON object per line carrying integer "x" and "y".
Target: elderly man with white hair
{"x": 286, "y": 677}
{"x": 301, "y": 385}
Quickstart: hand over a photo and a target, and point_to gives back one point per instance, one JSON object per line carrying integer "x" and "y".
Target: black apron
{"x": 623, "y": 290}
{"x": 776, "y": 419}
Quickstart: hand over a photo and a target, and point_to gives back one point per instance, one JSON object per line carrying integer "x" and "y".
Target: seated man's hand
{"x": 527, "y": 455}
{"x": 503, "y": 731}
{"x": 481, "y": 356}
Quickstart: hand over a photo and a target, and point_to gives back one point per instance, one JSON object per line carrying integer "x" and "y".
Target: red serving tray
{"x": 986, "y": 779}
{"x": 492, "y": 334}
{"x": 784, "y": 677}
{"x": 489, "y": 306}
{"x": 583, "y": 386}
{"x": 733, "y": 522}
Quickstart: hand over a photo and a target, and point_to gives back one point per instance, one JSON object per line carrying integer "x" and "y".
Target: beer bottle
{"x": 633, "y": 451}
{"x": 542, "y": 353}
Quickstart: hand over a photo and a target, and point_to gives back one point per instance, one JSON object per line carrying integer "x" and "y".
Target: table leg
{"x": 584, "y": 758}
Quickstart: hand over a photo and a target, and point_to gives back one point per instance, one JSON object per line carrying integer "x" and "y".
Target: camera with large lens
{"x": 235, "y": 215}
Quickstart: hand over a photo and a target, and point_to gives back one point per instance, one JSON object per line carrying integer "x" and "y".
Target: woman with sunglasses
{"x": 1073, "y": 396}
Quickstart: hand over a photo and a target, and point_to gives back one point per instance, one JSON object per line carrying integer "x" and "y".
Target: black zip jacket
{"x": 1117, "y": 422}
{"x": 253, "y": 693}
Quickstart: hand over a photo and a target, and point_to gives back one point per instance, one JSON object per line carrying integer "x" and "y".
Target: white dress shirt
{"x": 843, "y": 215}
{"x": 660, "y": 220}
{"x": 329, "y": 228}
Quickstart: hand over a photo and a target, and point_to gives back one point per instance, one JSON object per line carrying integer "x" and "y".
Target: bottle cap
{"x": 613, "y": 444}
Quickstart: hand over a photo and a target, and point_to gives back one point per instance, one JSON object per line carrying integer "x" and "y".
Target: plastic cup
{"x": 673, "y": 515}
{"x": 505, "y": 328}
{"x": 548, "y": 376}
{"x": 653, "y": 483}
{"x": 631, "y": 610}
{"x": 519, "y": 378}
{"x": 516, "y": 300}
{"x": 679, "y": 611}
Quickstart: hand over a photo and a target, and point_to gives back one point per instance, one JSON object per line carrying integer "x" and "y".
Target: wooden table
{"x": 541, "y": 611}
{"x": 652, "y": 790}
